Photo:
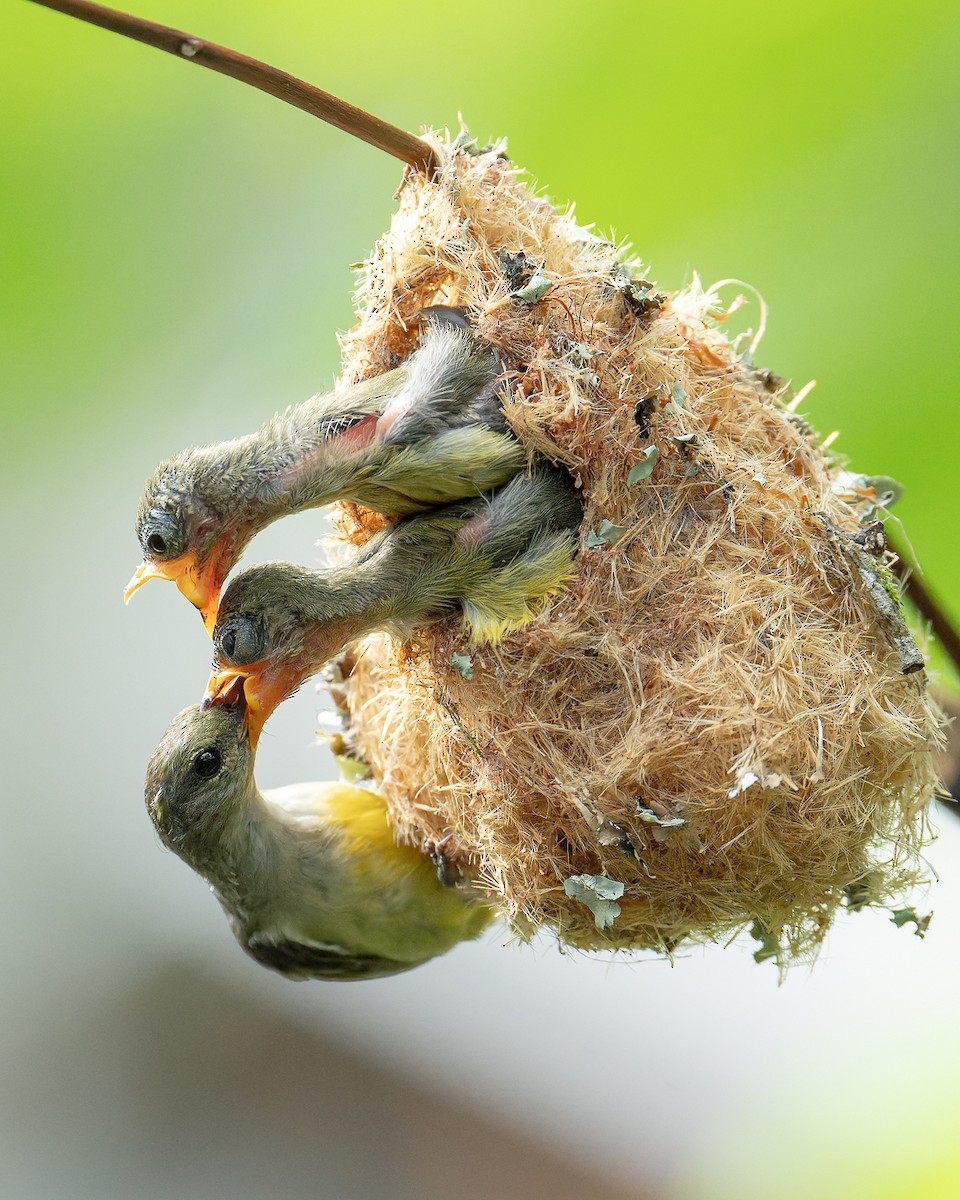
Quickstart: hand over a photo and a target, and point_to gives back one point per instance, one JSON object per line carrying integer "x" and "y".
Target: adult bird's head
{"x": 276, "y": 626}
{"x": 197, "y": 775}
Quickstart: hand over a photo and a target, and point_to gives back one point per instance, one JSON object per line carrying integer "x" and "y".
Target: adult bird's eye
{"x": 242, "y": 641}
{"x": 208, "y": 762}
{"x": 161, "y": 535}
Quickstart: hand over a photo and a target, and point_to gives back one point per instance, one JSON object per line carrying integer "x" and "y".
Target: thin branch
{"x": 926, "y": 604}
{"x": 405, "y": 146}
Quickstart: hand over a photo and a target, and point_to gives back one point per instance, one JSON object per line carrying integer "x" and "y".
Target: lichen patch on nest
{"x": 714, "y": 714}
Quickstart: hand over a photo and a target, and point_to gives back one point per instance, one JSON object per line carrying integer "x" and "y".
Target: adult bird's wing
{"x": 302, "y": 960}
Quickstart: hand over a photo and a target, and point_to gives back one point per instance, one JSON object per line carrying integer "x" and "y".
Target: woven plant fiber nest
{"x": 722, "y": 721}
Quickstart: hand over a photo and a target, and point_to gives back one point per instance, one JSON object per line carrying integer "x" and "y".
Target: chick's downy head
{"x": 275, "y": 627}
{"x": 185, "y": 534}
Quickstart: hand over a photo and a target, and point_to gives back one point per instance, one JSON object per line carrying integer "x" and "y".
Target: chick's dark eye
{"x": 241, "y": 640}
{"x": 162, "y": 535}
{"x": 208, "y": 763}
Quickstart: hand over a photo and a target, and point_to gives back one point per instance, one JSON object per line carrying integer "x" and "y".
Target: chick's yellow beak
{"x": 146, "y": 570}
{"x": 175, "y": 570}
{"x": 225, "y": 690}
{"x": 199, "y": 586}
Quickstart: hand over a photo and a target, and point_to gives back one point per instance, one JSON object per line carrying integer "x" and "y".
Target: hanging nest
{"x": 723, "y": 721}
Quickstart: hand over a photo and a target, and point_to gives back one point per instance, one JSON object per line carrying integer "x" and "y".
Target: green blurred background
{"x": 176, "y": 254}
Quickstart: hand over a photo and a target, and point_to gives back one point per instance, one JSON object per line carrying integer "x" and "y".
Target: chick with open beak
{"x": 492, "y": 559}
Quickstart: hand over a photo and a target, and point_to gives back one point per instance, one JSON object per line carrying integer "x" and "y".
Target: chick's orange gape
{"x": 262, "y": 687}
{"x": 200, "y": 584}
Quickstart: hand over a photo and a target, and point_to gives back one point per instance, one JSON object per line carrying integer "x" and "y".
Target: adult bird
{"x": 491, "y": 558}
{"x": 310, "y": 877}
{"x": 429, "y": 432}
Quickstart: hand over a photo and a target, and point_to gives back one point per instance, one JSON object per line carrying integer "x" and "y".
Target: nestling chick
{"x": 492, "y": 558}
{"x": 309, "y": 875}
{"x": 427, "y": 433}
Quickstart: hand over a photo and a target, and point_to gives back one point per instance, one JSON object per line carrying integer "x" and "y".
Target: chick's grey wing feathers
{"x": 543, "y": 500}
{"x": 439, "y": 315}
{"x": 445, "y": 379}
{"x": 486, "y": 407}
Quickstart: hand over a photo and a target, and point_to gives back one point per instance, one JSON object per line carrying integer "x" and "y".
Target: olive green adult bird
{"x": 492, "y": 558}
{"x": 429, "y": 432}
{"x": 310, "y": 876}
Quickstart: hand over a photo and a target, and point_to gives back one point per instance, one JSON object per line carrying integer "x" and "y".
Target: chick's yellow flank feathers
{"x": 309, "y": 875}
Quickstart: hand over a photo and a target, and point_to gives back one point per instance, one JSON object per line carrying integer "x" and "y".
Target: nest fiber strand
{"x": 715, "y": 713}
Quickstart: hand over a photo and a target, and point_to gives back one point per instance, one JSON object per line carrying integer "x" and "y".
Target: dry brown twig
{"x": 926, "y": 604}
